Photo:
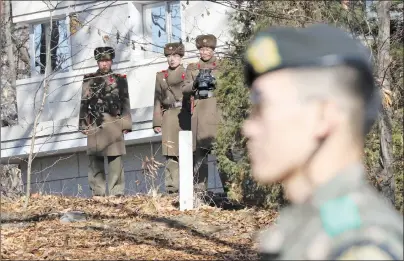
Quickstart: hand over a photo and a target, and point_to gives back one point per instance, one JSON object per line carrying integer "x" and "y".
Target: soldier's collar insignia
{"x": 340, "y": 215}
{"x": 263, "y": 54}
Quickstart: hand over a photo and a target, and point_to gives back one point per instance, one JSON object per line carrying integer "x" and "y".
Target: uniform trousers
{"x": 96, "y": 175}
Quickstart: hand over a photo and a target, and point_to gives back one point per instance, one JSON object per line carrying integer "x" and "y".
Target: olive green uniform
{"x": 206, "y": 114}
{"x": 345, "y": 218}
{"x": 171, "y": 115}
{"x": 108, "y": 94}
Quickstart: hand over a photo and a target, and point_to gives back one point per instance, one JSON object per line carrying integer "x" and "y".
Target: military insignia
{"x": 170, "y": 48}
{"x": 340, "y": 215}
{"x": 204, "y": 40}
{"x": 263, "y": 55}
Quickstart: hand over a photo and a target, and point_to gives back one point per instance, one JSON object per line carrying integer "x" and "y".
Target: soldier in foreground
{"x": 200, "y": 82}
{"x": 169, "y": 117}
{"x": 314, "y": 99}
{"x": 105, "y": 118}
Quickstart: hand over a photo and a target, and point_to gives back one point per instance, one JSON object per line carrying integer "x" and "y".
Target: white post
{"x": 186, "y": 171}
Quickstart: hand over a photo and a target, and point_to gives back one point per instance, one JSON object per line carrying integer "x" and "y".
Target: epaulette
{"x": 121, "y": 75}
{"x": 192, "y": 66}
{"x": 88, "y": 75}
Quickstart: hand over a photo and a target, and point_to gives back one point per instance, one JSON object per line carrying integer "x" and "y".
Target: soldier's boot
{"x": 201, "y": 171}
{"x": 116, "y": 176}
{"x": 171, "y": 173}
{"x": 96, "y": 175}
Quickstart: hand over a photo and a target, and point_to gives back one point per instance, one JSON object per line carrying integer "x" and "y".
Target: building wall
{"x": 67, "y": 174}
{"x": 98, "y": 25}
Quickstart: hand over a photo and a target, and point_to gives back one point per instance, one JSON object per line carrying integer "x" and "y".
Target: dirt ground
{"x": 137, "y": 227}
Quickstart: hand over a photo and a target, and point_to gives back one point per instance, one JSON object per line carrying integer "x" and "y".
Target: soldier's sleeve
{"x": 126, "y": 115}
{"x": 374, "y": 244}
{"x": 157, "y": 115}
{"x": 360, "y": 233}
{"x": 83, "y": 114}
{"x": 187, "y": 86}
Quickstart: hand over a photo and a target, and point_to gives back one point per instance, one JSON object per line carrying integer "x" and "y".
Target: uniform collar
{"x": 101, "y": 73}
{"x": 351, "y": 177}
{"x": 211, "y": 61}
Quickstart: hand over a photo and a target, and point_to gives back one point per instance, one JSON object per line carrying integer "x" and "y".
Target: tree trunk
{"x": 9, "y": 115}
{"x": 9, "y": 44}
{"x": 385, "y": 177}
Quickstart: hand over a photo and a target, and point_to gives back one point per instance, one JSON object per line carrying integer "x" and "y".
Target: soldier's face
{"x": 206, "y": 53}
{"x": 280, "y": 128}
{"x": 174, "y": 60}
{"x": 105, "y": 65}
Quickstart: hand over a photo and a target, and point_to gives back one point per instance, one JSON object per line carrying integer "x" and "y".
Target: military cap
{"x": 107, "y": 53}
{"x": 317, "y": 45}
{"x": 206, "y": 40}
{"x": 174, "y": 48}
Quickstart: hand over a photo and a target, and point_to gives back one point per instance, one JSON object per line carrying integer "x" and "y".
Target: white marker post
{"x": 186, "y": 171}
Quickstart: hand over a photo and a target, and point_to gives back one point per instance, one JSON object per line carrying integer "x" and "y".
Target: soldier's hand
{"x": 125, "y": 131}
{"x": 157, "y": 129}
{"x": 85, "y": 132}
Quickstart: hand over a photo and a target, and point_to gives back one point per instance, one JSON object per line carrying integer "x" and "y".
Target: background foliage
{"x": 252, "y": 16}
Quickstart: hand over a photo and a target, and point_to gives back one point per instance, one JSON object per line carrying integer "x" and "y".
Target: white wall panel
{"x": 101, "y": 28}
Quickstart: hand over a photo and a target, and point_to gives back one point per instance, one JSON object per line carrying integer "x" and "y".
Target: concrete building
{"x": 137, "y": 30}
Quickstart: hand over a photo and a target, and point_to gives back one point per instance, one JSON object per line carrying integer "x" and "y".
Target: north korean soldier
{"x": 200, "y": 82}
{"x": 314, "y": 100}
{"x": 169, "y": 115}
{"x": 105, "y": 118}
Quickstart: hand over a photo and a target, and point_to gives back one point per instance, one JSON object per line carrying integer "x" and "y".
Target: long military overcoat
{"x": 107, "y": 139}
{"x": 170, "y": 119}
{"x": 206, "y": 115}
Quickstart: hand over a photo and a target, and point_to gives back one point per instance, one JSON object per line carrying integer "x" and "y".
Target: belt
{"x": 175, "y": 105}
{"x": 209, "y": 95}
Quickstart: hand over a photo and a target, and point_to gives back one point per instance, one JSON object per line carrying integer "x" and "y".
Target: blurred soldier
{"x": 169, "y": 117}
{"x": 104, "y": 117}
{"x": 314, "y": 100}
{"x": 200, "y": 82}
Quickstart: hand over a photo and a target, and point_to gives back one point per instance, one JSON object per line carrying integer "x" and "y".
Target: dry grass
{"x": 137, "y": 227}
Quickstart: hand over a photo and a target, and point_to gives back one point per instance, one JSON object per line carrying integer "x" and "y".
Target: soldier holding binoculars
{"x": 199, "y": 83}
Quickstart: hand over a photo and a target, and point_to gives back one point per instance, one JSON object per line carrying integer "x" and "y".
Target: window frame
{"x": 150, "y": 54}
{"x": 34, "y": 72}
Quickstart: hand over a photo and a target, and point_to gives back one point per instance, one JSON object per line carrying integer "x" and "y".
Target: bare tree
{"x": 48, "y": 68}
{"x": 386, "y": 175}
{"x": 9, "y": 108}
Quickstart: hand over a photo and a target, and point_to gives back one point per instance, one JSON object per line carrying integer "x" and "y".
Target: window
{"x": 162, "y": 25}
{"x": 59, "y": 45}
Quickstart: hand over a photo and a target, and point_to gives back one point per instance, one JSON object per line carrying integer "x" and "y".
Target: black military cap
{"x": 317, "y": 45}
{"x": 107, "y": 53}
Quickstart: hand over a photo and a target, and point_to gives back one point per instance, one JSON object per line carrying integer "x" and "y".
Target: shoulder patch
{"x": 364, "y": 250}
{"x": 340, "y": 215}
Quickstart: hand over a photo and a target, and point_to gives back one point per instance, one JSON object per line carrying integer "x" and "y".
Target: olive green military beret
{"x": 174, "y": 48}
{"x": 317, "y": 45}
{"x": 101, "y": 53}
{"x": 206, "y": 40}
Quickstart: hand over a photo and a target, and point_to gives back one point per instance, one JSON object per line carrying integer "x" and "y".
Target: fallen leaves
{"x": 127, "y": 228}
